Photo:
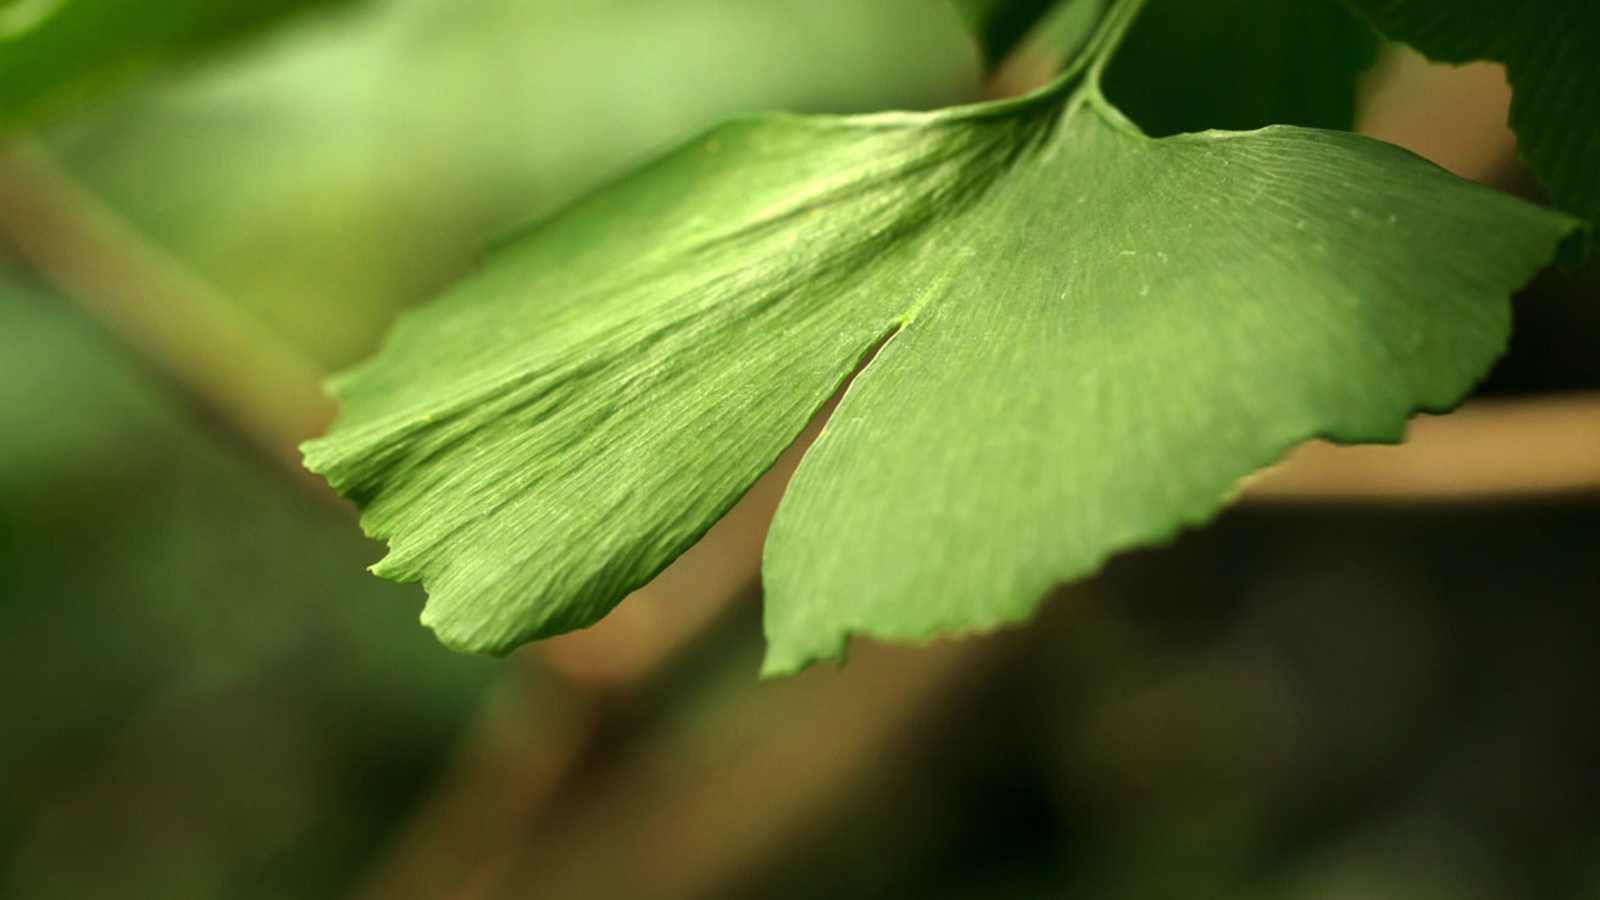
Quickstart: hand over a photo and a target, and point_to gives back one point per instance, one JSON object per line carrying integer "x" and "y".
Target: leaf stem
{"x": 1108, "y": 39}
{"x": 1083, "y": 74}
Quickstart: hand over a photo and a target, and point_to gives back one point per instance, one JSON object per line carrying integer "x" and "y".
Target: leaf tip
{"x": 1575, "y": 245}
{"x": 785, "y": 658}
{"x": 474, "y": 641}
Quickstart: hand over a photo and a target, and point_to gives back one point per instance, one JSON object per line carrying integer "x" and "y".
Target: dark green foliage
{"x": 1245, "y": 64}
{"x": 999, "y": 25}
{"x": 1551, "y": 51}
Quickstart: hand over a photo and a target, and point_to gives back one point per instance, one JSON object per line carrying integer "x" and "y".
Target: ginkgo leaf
{"x": 1551, "y": 51}
{"x": 1086, "y": 337}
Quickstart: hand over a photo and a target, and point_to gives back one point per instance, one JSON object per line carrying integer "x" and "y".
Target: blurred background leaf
{"x": 1241, "y": 64}
{"x": 56, "y": 52}
{"x": 195, "y": 649}
{"x": 355, "y": 164}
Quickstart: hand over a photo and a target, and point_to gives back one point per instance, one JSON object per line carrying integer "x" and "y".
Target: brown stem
{"x": 240, "y": 373}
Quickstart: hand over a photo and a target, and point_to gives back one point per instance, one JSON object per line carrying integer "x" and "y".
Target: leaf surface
{"x": 1551, "y": 51}
{"x": 1189, "y": 309}
{"x": 1083, "y": 336}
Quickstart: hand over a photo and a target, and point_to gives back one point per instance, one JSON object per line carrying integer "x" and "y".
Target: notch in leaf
{"x": 1551, "y": 51}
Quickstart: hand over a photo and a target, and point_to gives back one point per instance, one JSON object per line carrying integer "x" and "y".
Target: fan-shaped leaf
{"x": 1088, "y": 336}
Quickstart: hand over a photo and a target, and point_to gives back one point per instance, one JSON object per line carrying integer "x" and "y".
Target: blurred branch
{"x": 525, "y": 745}
{"x": 1454, "y": 116}
{"x": 692, "y": 812}
{"x": 240, "y": 373}
{"x": 1491, "y": 449}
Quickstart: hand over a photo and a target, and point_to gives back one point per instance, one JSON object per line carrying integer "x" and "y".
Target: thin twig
{"x": 241, "y": 374}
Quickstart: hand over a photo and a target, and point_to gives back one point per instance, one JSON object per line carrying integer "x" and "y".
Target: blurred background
{"x": 1373, "y": 679}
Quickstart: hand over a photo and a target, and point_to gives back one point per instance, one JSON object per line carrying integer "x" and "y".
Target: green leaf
{"x": 1551, "y": 51}
{"x": 1087, "y": 336}
{"x": 1190, "y": 309}
{"x": 56, "y": 51}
